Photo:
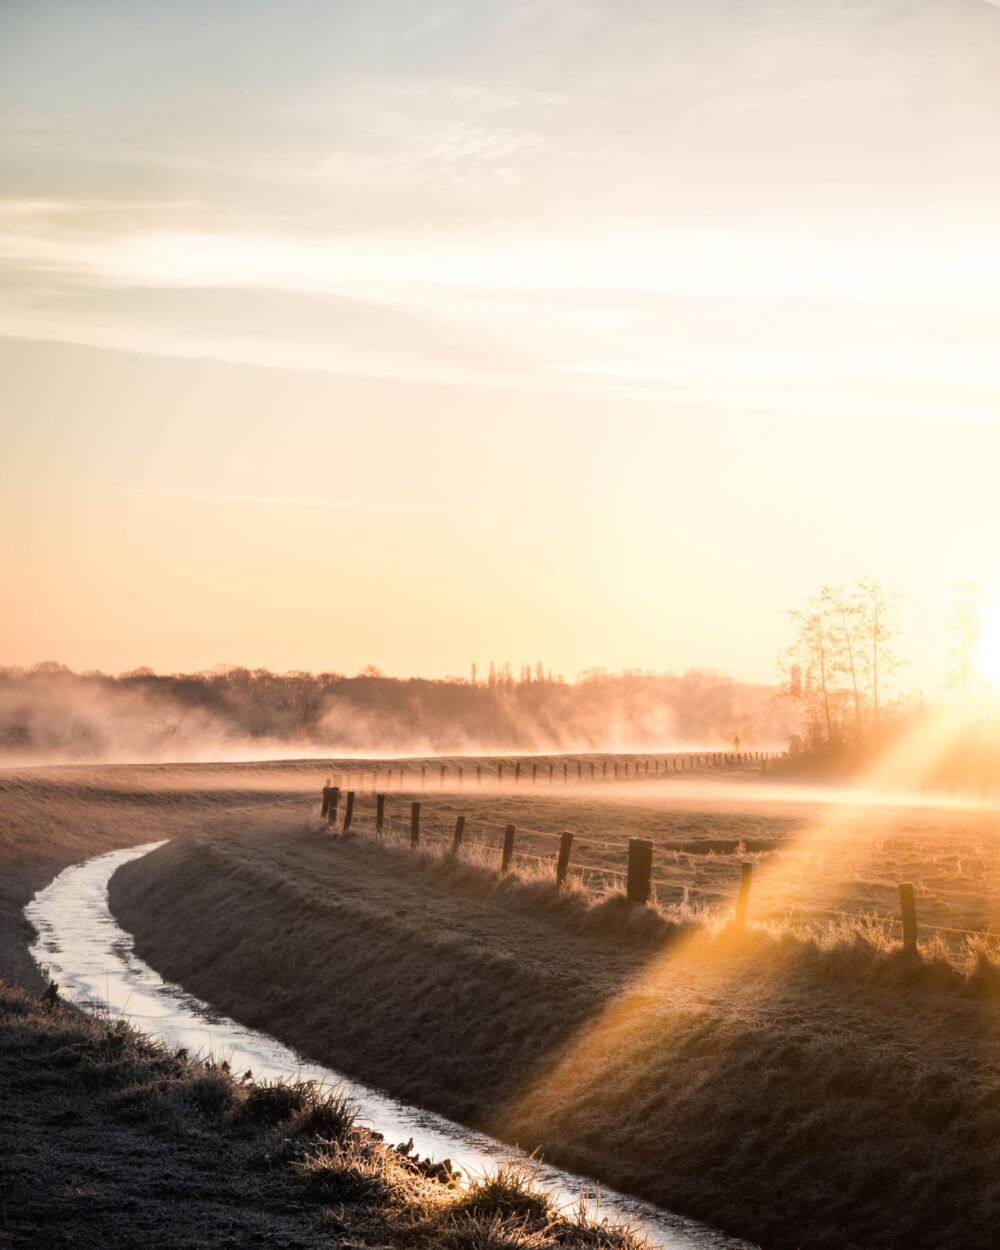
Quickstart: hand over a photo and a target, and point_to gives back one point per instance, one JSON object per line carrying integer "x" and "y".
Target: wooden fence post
{"x": 459, "y": 834}
{"x": 461, "y": 775}
{"x": 479, "y": 774}
{"x": 444, "y": 769}
{"x": 499, "y": 774}
{"x": 743, "y": 897}
{"x": 562, "y": 863}
{"x": 534, "y": 774}
{"x": 326, "y": 800}
{"x": 508, "y": 850}
{"x": 348, "y": 811}
{"x": 640, "y": 869}
{"x": 379, "y": 813}
{"x": 517, "y": 771}
{"x": 414, "y": 824}
{"x": 909, "y": 906}
{"x": 331, "y": 811}
{"x": 423, "y": 776}
{"x": 592, "y": 772}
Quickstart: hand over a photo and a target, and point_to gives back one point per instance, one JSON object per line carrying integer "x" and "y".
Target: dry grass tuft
{"x": 509, "y": 1193}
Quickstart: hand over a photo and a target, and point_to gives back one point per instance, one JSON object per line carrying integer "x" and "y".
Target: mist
{"x": 49, "y": 714}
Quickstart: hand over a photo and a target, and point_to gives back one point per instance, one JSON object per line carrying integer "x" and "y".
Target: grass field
{"x": 822, "y": 867}
{"x": 106, "y": 1139}
{"x": 795, "y": 1092}
{"x": 829, "y": 1093}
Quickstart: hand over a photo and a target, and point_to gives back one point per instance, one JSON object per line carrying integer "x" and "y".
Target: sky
{"x": 601, "y": 332}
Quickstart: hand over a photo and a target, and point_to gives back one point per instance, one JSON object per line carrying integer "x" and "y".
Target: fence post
{"x": 479, "y": 774}
{"x": 461, "y": 775}
{"x": 414, "y": 824}
{"x": 348, "y": 811}
{"x": 459, "y": 834}
{"x": 592, "y": 772}
{"x": 508, "y": 850}
{"x": 743, "y": 897}
{"x": 552, "y": 769}
{"x": 444, "y": 769}
{"x": 517, "y": 771}
{"x": 326, "y": 800}
{"x": 534, "y": 774}
{"x": 562, "y": 863}
{"x": 499, "y": 774}
{"x": 379, "y": 813}
{"x": 331, "y": 811}
{"x": 423, "y": 776}
{"x": 640, "y": 869}
{"x": 909, "y": 906}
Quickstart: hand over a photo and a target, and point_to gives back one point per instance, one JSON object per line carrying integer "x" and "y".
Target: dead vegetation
{"x": 790, "y": 1093}
{"x": 828, "y": 1092}
{"x": 119, "y": 1142}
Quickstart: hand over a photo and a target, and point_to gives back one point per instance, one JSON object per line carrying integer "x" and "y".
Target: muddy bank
{"x": 834, "y": 1103}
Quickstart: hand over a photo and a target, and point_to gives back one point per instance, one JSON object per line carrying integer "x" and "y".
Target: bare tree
{"x": 810, "y": 664}
{"x": 841, "y": 659}
{"x": 878, "y": 629}
{"x": 844, "y": 611}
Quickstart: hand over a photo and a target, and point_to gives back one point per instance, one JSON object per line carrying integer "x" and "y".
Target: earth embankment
{"x": 791, "y": 1096}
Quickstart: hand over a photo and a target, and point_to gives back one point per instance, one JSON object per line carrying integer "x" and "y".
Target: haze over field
{"x": 410, "y": 334}
{"x": 50, "y": 715}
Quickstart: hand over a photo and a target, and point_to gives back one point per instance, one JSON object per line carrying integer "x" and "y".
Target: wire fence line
{"x": 534, "y": 770}
{"x": 484, "y": 838}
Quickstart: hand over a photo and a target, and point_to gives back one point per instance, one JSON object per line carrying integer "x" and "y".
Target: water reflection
{"x": 94, "y": 961}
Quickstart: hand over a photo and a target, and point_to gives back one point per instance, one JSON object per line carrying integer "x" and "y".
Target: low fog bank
{"x": 49, "y": 713}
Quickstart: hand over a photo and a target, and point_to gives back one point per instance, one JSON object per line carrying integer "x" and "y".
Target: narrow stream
{"x": 81, "y": 946}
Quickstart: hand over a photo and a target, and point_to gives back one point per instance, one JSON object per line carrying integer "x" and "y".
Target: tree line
{"x": 50, "y": 711}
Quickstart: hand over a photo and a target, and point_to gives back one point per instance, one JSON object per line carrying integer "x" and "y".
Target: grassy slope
{"x": 107, "y": 1140}
{"x": 53, "y": 817}
{"x": 797, "y": 1098}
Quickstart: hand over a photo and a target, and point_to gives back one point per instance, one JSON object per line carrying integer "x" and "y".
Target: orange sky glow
{"x": 420, "y": 335}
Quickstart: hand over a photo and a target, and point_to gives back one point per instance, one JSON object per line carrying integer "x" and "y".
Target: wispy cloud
{"x": 347, "y": 505}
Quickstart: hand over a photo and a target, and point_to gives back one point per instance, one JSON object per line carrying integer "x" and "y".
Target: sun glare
{"x": 989, "y": 649}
